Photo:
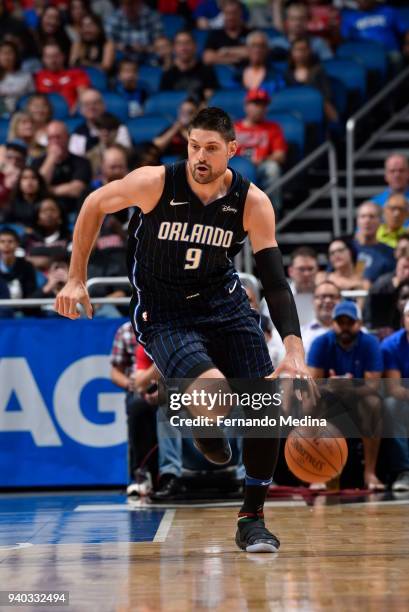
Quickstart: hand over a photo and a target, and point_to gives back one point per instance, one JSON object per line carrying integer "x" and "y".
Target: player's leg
{"x": 242, "y": 353}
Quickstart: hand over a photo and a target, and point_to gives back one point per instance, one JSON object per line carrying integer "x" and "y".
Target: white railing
{"x": 354, "y": 155}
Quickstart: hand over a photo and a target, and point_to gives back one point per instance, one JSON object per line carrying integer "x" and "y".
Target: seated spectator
{"x": 257, "y": 73}
{"x": 227, "y": 45}
{"x": 342, "y": 258}
{"x": 14, "y": 161}
{"x": 208, "y": 15}
{"x": 5, "y": 313}
{"x": 402, "y": 247}
{"x": 262, "y": 142}
{"x": 380, "y": 306}
{"x": 56, "y": 277}
{"x": 395, "y": 351}
{"x": 92, "y": 47}
{"x": 162, "y": 53}
{"x": 347, "y": 352}
{"x": 107, "y": 127}
{"x": 188, "y": 73}
{"x": 76, "y": 10}
{"x": 50, "y": 30}
{"x": 14, "y": 83}
{"x": 54, "y": 78}
{"x": 305, "y": 69}
{"x": 66, "y": 175}
{"x": 395, "y": 213}
{"x": 41, "y": 112}
{"x": 86, "y": 135}
{"x": 382, "y": 24}
{"x": 405, "y": 50}
{"x": 14, "y": 30}
{"x": 114, "y": 166}
{"x": 324, "y": 20}
{"x": 133, "y": 27}
{"x": 50, "y": 235}
{"x": 141, "y": 416}
{"x": 17, "y": 272}
{"x": 296, "y": 26}
{"x": 29, "y": 190}
{"x": 397, "y": 178}
{"x": 376, "y": 257}
{"x": 326, "y": 297}
{"x": 128, "y": 87}
{"x": 173, "y": 141}
{"x": 22, "y": 129}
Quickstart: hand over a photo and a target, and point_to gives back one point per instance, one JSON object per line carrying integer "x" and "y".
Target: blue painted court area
{"x": 64, "y": 519}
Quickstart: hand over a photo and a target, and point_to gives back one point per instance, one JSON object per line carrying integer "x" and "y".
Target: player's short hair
{"x": 216, "y": 120}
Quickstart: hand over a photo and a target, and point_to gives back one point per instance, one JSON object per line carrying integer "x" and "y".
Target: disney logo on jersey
{"x": 227, "y": 208}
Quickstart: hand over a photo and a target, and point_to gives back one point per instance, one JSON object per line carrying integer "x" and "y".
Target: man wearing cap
{"x": 262, "y": 142}
{"x": 395, "y": 351}
{"x": 347, "y": 352}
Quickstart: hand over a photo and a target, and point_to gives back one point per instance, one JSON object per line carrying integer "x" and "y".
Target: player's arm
{"x": 142, "y": 188}
{"x": 259, "y": 222}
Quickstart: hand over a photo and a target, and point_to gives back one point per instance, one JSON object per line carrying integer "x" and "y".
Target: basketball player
{"x": 189, "y": 309}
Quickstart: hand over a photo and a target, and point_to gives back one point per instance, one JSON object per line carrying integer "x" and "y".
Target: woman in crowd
{"x": 345, "y": 274}
{"x": 304, "y": 69}
{"x": 41, "y": 112}
{"x": 51, "y": 30}
{"x": 13, "y": 82}
{"x": 50, "y": 234}
{"x": 77, "y": 9}
{"x": 92, "y": 47}
{"x": 28, "y": 192}
{"x": 22, "y": 128}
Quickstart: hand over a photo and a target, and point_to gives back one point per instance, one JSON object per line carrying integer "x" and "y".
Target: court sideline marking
{"x": 165, "y": 525}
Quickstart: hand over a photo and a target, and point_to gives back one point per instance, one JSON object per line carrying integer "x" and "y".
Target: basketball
{"x": 316, "y": 454}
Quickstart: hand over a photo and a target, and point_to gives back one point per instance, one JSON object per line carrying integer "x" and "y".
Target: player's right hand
{"x": 72, "y": 294}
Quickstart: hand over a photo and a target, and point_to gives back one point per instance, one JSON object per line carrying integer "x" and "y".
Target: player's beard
{"x": 207, "y": 178}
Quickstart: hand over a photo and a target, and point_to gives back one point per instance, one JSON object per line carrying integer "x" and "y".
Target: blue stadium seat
{"x": 59, "y": 104}
{"x": 230, "y": 101}
{"x": 145, "y": 129}
{"x": 307, "y": 101}
{"x": 172, "y": 24}
{"x": 4, "y": 128}
{"x": 73, "y": 122}
{"x": 165, "y": 103}
{"x": 404, "y": 15}
{"x": 339, "y": 96}
{"x": 116, "y": 105}
{"x": 350, "y": 73}
{"x": 149, "y": 78}
{"x": 369, "y": 54}
{"x": 226, "y": 75}
{"x": 244, "y": 166}
{"x": 97, "y": 77}
{"x": 293, "y": 129}
{"x": 200, "y": 37}
{"x": 280, "y": 66}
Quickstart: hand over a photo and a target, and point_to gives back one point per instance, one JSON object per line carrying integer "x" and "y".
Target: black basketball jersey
{"x": 183, "y": 249}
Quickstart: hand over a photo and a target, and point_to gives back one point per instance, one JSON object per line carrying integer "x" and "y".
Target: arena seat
{"x": 226, "y": 75}
{"x": 149, "y": 78}
{"x": 200, "y": 37}
{"x": 339, "y": 96}
{"x": 244, "y": 166}
{"x": 145, "y": 129}
{"x": 116, "y": 105}
{"x": 230, "y": 101}
{"x": 73, "y": 122}
{"x": 367, "y": 53}
{"x": 165, "y": 103}
{"x": 294, "y": 132}
{"x": 4, "y": 128}
{"x": 350, "y": 73}
{"x": 97, "y": 77}
{"x": 307, "y": 102}
{"x": 172, "y": 24}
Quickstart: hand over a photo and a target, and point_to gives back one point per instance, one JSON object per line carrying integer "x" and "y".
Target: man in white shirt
{"x": 326, "y": 296}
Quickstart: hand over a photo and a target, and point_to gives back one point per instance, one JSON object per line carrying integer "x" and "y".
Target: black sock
{"x": 255, "y": 492}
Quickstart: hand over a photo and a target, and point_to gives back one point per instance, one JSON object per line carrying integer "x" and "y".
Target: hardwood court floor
{"x": 334, "y": 557}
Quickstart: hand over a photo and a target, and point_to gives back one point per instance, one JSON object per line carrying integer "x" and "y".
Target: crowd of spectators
{"x": 75, "y": 75}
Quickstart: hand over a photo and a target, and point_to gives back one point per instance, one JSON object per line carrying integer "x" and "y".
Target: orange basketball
{"x": 316, "y": 454}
